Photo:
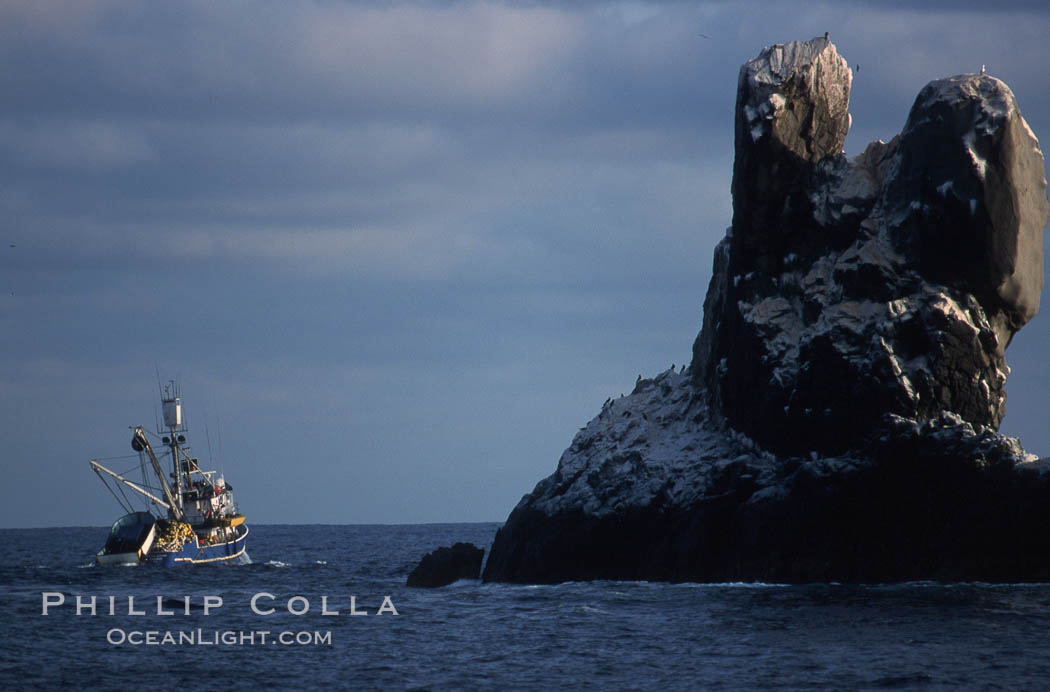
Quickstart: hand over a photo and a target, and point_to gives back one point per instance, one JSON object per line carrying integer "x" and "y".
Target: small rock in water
{"x": 447, "y": 565}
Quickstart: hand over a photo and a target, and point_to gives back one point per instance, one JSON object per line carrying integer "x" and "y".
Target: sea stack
{"x": 839, "y": 418}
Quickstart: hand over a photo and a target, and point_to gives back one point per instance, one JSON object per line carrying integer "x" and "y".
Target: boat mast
{"x": 171, "y": 407}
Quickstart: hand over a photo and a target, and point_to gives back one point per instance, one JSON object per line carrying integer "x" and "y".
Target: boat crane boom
{"x": 99, "y": 467}
{"x": 139, "y": 443}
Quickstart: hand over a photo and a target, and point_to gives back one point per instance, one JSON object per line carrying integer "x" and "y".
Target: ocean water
{"x": 605, "y": 635}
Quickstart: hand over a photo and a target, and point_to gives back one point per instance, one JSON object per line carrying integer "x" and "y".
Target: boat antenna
{"x": 222, "y": 456}
{"x": 207, "y": 436}
{"x": 160, "y": 393}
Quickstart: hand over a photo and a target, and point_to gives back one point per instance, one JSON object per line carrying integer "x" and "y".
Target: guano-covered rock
{"x": 851, "y": 359}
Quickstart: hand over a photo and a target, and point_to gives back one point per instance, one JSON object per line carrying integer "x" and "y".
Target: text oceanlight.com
{"x": 200, "y": 637}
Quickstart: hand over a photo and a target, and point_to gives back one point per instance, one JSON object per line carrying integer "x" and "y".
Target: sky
{"x": 396, "y": 253}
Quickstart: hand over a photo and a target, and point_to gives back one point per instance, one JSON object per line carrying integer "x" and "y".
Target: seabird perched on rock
{"x": 826, "y": 36}
{"x": 982, "y": 69}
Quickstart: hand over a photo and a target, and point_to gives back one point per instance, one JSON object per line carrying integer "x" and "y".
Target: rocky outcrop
{"x": 447, "y": 565}
{"x": 890, "y": 283}
{"x": 851, "y": 358}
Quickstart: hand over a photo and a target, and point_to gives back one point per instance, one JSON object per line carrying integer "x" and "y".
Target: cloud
{"x": 87, "y": 145}
{"x": 328, "y": 60}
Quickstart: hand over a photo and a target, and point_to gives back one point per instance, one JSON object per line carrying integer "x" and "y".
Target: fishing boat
{"x": 191, "y": 517}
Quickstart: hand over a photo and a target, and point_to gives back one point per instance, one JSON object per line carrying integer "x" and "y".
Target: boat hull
{"x": 194, "y": 553}
{"x": 104, "y": 558}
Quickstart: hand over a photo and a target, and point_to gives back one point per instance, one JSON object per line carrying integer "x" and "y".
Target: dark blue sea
{"x": 603, "y": 635}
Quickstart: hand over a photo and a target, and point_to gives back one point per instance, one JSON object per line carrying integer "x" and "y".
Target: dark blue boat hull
{"x": 193, "y": 553}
